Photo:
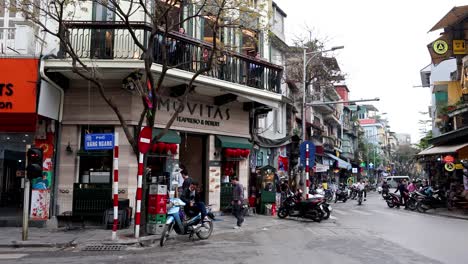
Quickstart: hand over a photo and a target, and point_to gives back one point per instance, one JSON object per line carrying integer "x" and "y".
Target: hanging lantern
{"x": 245, "y": 153}
{"x": 227, "y": 152}
{"x": 154, "y": 147}
{"x": 173, "y": 149}
{"x": 238, "y": 153}
{"x": 162, "y": 148}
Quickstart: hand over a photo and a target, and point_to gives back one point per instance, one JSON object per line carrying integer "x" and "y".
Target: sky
{"x": 384, "y": 48}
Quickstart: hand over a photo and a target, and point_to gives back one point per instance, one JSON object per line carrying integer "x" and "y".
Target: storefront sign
{"x": 18, "y": 85}
{"x": 355, "y": 170}
{"x": 321, "y": 168}
{"x": 198, "y": 114}
{"x": 459, "y": 47}
{"x": 450, "y": 166}
{"x": 99, "y": 141}
{"x": 195, "y": 110}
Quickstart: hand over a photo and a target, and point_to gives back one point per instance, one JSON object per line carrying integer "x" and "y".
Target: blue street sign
{"x": 99, "y": 141}
{"x": 311, "y": 153}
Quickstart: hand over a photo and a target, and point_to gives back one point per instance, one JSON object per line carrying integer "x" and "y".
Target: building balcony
{"x": 112, "y": 41}
{"x": 323, "y": 109}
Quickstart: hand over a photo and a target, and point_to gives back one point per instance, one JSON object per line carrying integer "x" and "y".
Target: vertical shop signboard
{"x": 40, "y": 193}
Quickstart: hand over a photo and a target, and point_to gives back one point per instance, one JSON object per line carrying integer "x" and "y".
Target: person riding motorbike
{"x": 361, "y": 187}
{"x": 193, "y": 202}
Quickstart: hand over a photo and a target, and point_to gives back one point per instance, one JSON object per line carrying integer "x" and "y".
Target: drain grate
{"x": 103, "y": 248}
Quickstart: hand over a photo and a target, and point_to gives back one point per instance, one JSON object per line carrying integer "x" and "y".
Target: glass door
{"x": 102, "y": 40}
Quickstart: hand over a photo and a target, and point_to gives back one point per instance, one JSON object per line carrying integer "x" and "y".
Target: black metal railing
{"x": 112, "y": 40}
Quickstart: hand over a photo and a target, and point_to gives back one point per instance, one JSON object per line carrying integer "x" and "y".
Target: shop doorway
{"x": 192, "y": 154}
{"x": 10, "y": 180}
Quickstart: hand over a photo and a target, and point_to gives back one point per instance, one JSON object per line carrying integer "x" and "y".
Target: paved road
{"x": 371, "y": 233}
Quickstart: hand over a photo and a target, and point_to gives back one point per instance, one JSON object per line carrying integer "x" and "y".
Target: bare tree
{"x": 54, "y": 17}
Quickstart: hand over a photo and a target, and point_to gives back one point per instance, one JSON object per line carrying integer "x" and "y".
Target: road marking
{"x": 333, "y": 217}
{"x": 12, "y": 256}
{"x": 361, "y": 212}
{"x": 340, "y": 212}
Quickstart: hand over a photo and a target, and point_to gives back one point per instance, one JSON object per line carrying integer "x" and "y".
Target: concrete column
{"x": 214, "y": 173}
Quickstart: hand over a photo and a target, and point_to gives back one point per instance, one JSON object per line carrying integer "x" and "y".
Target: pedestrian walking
{"x": 237, "y": 200}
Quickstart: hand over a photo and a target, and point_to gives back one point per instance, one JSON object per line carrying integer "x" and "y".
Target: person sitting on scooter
{"x": 193, "y": 202}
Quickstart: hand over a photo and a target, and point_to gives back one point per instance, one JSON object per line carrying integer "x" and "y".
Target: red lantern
{"x": 245, "y": 153}
{"x": 173, "y": 149}
{"x": 162, "y": 148}
{"x": 238, "y": 153}
{"x": 154, "y": 147}
{"x": 226, "y": 152}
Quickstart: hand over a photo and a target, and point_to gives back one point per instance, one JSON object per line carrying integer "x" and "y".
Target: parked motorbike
{"x": 322, "y": 204}
{"x": 414, "y": 199}
{"x": 293, "y": 205}
{"x": 385, "y": 192}
{"x": 328, "y": 195}
{"x": 176, "y": 221}
{"x": 341, "y": 195}
{"x": 393, "y": 200}
{"x": 436, "y": 200}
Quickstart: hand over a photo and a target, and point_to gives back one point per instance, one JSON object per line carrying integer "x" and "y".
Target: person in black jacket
{"x": 403, "y": 193}
{"x": 193, "y": 202}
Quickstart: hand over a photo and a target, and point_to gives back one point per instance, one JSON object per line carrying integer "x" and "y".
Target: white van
{"x": 393, "y": 181}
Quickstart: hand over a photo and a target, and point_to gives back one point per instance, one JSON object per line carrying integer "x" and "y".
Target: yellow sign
{"x": 450, "y": 166}
{"x": 440, "y": 46}
{"x": 459, "y": 166}
{"x": 459, "y": 47}
{"x": 350, "y": 181}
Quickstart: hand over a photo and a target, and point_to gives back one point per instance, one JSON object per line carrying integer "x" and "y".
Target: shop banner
{"x": 40, "y": 204}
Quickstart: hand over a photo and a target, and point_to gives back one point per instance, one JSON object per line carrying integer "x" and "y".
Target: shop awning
{"x": 454, "y": 16}
{"x": 341, "y": 163}
{"x": 442, "y": 149}
{"x": 170, "y": 137}
{"x": 233, "y": 142}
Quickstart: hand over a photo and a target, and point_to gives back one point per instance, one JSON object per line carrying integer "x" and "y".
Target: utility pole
{"x": 26, "y": 199}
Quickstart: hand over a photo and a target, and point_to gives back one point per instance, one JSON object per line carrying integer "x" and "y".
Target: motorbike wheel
{"x": 330, "y": 198}
{"x": 208, "y": 230}
{"x": 282, "y": 213}
{"x": 420, "y": 208}
{"x": 412, "y": 204}
{"x": 164, "y": 236}
{"x": 390, "y": 203}
{"x": 344, "y": 200}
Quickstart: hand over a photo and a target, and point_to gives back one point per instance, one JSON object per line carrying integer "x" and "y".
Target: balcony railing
{"x": 112, "y": 40}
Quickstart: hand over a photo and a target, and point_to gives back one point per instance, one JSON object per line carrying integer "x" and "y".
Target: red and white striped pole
{"x": 307, "y": 170}
{"x": 139, "y": 195}
{"x": 116, "y": 186}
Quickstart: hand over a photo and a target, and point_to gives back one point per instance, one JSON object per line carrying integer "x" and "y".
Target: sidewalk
{"x": 455, "y": 213}
{"x": 62, "y": 238}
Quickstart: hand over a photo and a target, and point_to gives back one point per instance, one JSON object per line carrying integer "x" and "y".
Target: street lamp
{"x": 305, "y": 63}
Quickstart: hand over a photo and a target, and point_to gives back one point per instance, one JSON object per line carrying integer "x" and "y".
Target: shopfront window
{"x": 95, "y": 166}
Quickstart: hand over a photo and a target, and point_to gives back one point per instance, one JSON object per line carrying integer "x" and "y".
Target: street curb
{"x": 30, "y": 244}
{"x": 449, "y": 216}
